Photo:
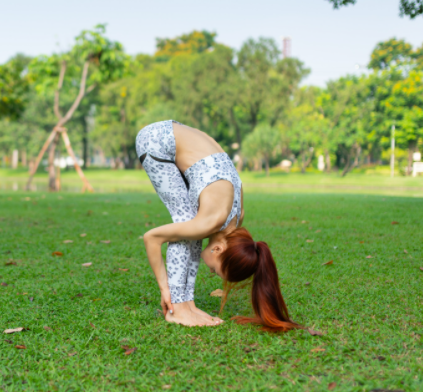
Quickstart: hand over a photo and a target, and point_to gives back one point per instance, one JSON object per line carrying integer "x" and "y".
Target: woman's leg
{"x": 194, "y": 262}
{"x": 171, "y": 188}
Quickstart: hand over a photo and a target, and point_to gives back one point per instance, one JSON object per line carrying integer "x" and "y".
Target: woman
{"x": 201, "y": 188}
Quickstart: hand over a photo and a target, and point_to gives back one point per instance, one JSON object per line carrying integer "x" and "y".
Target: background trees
{"x": 252, "y": 101}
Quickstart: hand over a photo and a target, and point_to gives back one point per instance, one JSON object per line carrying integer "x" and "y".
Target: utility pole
{"x": 286, "y": 47}
{"x": 393, "y": 151}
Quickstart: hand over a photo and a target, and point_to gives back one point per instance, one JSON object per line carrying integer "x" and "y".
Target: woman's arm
{"x": 212, "y": 214}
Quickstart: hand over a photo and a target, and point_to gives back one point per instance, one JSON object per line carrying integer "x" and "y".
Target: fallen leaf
{"x": 89, "y": 213}
{"x": 380, "y": 358}
{"x": 140, "y": 237}
{"x": 368, "y": 257}
{"x": 148, "y": 201}
{"x": 72, "y": 354}
{"x": 20, "y": 347}
{"x": 123, "y": 269}
{"x": 331, "y": 385}
{"x": 106, "y": 241}
{"x": 167, "y": 386}
{"x": 294, "y": 218}
{"x": 31, "y": 299}
{"x": 361, "y": 242}
{"x": 96, "y": 299}
{"x": 10, "y": 263}
{"x": 92, "y": 325}
{"x": 8, "y": 341}
{"x": 405, "y": 251}
{"x": 57, "y": 253}
{"x": 47, "y": 328}
{"x": 304, "y": 221}
{"x": 119, "y": 223}
{"x": 13, "y": 330}
{"x": 328, "y": 263}
{"x": 421, "y": 268}
{"x": 315, "y": 333}
{"x": 83, "y": 235}
{"x": 79, "y": 295}
{"x": 130, "y": 351}
{"x": 394, "y": 223}
{"x": 87, "y": 264}
{"x": 309, "y": 240}
{"x": 318, "y": 231}
{"x": 67, "y": 241}
{"x": 307, "y": 283}
{"x": 125, "y": 348}
{"x": 217, "y": 293}
{"x": 4, "y": 284}
{"x": 317, "y": 349}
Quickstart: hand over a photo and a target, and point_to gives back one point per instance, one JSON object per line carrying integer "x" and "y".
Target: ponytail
{"x": 243, "y": 258}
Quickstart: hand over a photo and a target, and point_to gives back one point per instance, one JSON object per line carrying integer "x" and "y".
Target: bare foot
{"x": 203, "y": 313}
{"x": 184, "y": 315}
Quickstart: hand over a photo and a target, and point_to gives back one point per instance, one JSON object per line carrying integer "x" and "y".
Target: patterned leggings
{"x": 182, "y": 257}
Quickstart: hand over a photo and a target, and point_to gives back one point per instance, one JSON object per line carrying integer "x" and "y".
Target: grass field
{"x": 104, "y": 180}
{"x": 369, "y": 309}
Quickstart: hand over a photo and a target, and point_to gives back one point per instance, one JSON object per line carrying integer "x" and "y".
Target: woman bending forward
{"x": 201, "y": 188}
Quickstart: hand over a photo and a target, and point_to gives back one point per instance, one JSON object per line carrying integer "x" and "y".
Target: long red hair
{"x": 244, "y": 258}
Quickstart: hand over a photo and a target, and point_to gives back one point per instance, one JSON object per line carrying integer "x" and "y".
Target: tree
{"x": 399, "y": 101}
{"x": 14, "y": 85}
{"x": 411, "y": 8}
{"x": 194, "y": 42}
{"x": 307, "y": 127}
{"x": 349, "y": 111}
{"x": 390, "y": 53}
{"x": 398, "y": 94}
{"x": 264, "y": 86}
{"x": 97, "y": 60}
{"x": 262, "y": 144}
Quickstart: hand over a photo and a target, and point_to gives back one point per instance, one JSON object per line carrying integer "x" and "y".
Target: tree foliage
{"x": 249, "y": 100}
{"x": 14, "y": 84}
{"x": 410, "y": 8}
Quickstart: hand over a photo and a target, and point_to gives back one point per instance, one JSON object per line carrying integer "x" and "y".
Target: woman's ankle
{"x": 181, "y": 307}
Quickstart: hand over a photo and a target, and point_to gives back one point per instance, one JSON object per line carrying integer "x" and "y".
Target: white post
{"x": 393, "y": 151}
{"x": 15, "y": 157}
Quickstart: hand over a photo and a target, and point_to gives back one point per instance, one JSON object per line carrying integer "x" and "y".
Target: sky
{"x": 332, "y": 43}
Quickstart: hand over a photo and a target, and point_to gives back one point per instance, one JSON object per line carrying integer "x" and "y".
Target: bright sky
{"x": 330, "y": 42}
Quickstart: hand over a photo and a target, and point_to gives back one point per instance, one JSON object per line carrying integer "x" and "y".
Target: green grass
{"x": 105, "y": 180}
{"x": 369, "y": 309}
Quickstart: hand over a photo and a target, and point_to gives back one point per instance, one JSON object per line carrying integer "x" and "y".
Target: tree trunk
{"x": 236, "y": 126}
{"x": 257, "y": 165}
{"x": 305, "y": 162}
{"x": 85, "y": 145}
{"x": 266, "y": 163}
{"x": 51, "y": 169}
{"x": 349, "y": 167}
{"x": 328, "y": 164}
{"x": 62, "y": 121}
{"x": 346, "y": 167}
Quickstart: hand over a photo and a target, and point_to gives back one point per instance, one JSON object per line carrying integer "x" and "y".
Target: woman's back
{"x": 192, "y": 145}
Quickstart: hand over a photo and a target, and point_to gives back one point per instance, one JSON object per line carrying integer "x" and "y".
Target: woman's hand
{"x": 166, "y": 301}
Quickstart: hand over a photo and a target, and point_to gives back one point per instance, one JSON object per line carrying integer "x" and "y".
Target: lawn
{"x": 106, "y": 180}
{"x": 80, "y": 320}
